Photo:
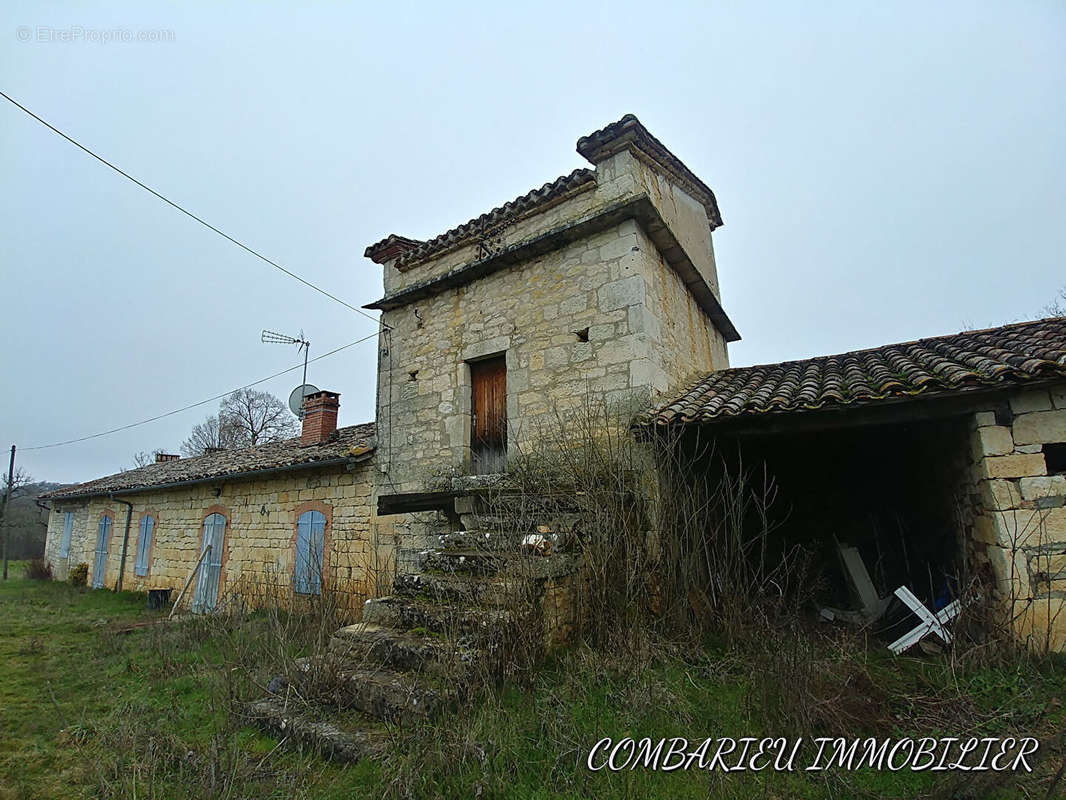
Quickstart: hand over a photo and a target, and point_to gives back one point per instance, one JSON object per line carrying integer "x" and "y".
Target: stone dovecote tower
{"x": 601, "y": 282}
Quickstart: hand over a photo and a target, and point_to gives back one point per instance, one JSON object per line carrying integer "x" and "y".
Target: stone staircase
{"x": 419, "y": 651}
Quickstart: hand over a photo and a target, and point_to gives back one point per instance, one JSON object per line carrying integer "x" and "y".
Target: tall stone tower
{"x": 601, "y": 283}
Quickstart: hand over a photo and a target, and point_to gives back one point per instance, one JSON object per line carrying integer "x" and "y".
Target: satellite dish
{"x": 296, "y": 399}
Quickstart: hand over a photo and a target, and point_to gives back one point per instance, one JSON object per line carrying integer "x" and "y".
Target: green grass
{"x": 89, "y": 711}
{"x": 86, "y": 711}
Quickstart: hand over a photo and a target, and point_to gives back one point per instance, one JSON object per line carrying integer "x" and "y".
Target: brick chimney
{"x": 320, "y": 417}
{"x": 161, "y": 457}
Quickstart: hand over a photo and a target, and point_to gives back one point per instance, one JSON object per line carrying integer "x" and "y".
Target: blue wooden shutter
{"x": 301, "y": 576}
{"x": 103, "y": 543}
{"x": 310, "y": 542}
{"x": 318, "y": 543}
{"x": 214, "y": 559}
{"x": 144, "y": 545}
{"x": 206, "y": 597}
{"x": 68, "y": 529}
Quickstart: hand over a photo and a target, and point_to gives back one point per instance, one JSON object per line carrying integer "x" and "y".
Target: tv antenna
{"x": 298, "y": 394}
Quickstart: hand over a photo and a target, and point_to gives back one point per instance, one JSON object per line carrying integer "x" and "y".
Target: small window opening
{"x": 1004, "y": 416}
{"x": 582, "y": 335}
{"x": 412, "y": 375}
{"x": 1055, "y": 457}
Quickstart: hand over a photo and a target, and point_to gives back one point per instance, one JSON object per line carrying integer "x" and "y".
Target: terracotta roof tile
{"x": 1007, "y": 356}
{"x": 349, "y": 442}
{"x": 628, "y": 132}
{"x": 410, "y": 251}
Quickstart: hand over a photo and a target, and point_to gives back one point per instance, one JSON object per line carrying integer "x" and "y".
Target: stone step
{"x": 494, "y": 522}
{"x": 367, "y": 644}
{"x": 462, "y": 588}
{"x": 562, "y": 523}
{"x": 488, "y": 541}
{"x": 503, "y": 540}
{"x": 504, "y": 495}
{"x": 471, "y": 562}
{"x": 345, "y": 681}
{"x": 520, "y": 565}
{"x": 520, "y": 515}
{"x": 452, "y": 619}
{"x": 399, "y": 697}
{"x": 351, "y": 739}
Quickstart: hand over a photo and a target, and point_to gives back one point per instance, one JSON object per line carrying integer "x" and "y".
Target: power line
{"x": 199, "y": 403}
{"x": 189, "y": 214}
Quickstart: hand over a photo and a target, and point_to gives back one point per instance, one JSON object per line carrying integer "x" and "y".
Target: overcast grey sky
{"x": 885, "y": 171}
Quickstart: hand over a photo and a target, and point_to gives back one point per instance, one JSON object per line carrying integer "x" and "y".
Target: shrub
{"x": 79, "y": 575}
{"x": 675, "y": 539}
{"x": 37, "y": 569}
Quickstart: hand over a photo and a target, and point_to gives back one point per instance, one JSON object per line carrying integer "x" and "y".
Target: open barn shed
{"x": 940, "y": 461}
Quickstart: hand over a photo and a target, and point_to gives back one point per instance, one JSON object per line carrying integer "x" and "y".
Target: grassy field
{"x": 91, "y": 706}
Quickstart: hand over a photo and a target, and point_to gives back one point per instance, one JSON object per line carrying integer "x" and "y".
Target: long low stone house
{"x": 280, "y": 515}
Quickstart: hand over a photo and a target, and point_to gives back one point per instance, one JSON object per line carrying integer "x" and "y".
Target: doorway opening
{"x": 891, "y": 497}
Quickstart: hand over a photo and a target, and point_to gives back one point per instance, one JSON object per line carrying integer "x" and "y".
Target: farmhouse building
{"x": 603, "y": 285}
{"x": 282, "y": 513}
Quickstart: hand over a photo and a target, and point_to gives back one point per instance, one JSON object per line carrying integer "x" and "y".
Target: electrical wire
{"x": 198, "y": 403}
{"x": 189, "y": 214}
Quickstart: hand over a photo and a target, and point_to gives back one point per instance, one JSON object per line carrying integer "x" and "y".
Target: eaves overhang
{"x": 348, "y": 461}
{"x": 637, "y": 207}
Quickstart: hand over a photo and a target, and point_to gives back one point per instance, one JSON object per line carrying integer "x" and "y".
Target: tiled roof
{"x": 390, "y": 247}
{"x": 411, "y": 250}
{"x": 349, "y": 442}
{"x": 628, "y": 132}
{"x": 1012, "y": 355}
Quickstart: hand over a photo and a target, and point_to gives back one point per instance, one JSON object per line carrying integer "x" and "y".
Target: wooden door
{"x": 488, "y": 443}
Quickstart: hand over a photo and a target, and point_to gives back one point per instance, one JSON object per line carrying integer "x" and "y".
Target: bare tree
{"x": 245, "y": 419}
{"x": 214, "y": 433}
{"x": 1057, "y": 307}
{"x": 144, "y": 458}
{"x": 259, "y": 417}
{"x": 11, "y": 485}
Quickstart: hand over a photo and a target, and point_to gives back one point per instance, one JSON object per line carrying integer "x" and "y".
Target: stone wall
{"x": 603, "y": 316}
{"x": 82, "y": 544}
{"x": 682, "y": 343}
{"x": 1020, "y": 525}
{"x": 260, "y": 535}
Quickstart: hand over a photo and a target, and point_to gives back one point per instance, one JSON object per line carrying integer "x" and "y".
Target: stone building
{"x": 600, "y": 284}
{"x": 281, "y": 514}
{"x": 942, "y": 460}
{"x": 603, "y": 285}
